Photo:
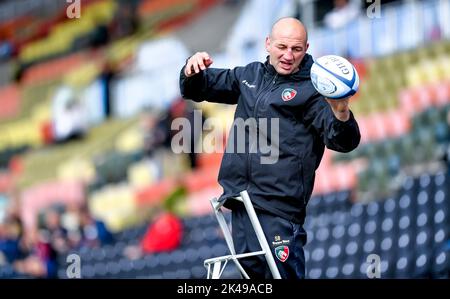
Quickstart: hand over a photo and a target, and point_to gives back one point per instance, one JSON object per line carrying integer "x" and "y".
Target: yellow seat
{"x": 130, "y": 141}
{"x": 142, "y": 174}
{"x": 83, "y": 75}
{"x": 116, "y": 206}
{"x": 77, "y": 169}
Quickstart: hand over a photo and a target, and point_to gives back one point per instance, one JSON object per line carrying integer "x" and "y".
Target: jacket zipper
{"x": 255, "y": 109}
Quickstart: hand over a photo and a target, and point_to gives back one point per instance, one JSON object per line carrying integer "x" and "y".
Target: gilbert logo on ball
{"x": 334, "y": 77}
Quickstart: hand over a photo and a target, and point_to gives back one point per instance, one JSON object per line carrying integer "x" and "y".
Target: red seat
{"x": 164, "y": 234}
{"x": 155, "y": 193}
{"x": 212, "y": 160}
{"x": 6, "y": 182}
{"x": 397, "y": 123}
{"x": 198, "y": 203}
{"x": 201, "y": 179}
{"x": 54, "y": 68}
{"x": 9, "y": 101}
{"x": 442, "y": 93}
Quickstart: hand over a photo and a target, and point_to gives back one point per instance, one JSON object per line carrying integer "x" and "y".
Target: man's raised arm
{"x": 200, "y": 83}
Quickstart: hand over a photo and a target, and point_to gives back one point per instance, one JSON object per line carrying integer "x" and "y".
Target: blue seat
{"x": 169, "y": 274}
{"x": 317, "y": 262}
{"x": 151, "y": 261}
{"x": 406, "y": 205}
{"x": 333, "y": 269}
{"x": 441, "y": 262}
{"x": 441, "y": 208}
{"x": 192, "y": 255}
{"x": 423, "y": 202}
{"x": 138, "y": 264}
{"x": 313, "y": 206}
{"x": 87, "y": 270}
{"x": 100, "y": 270}
{"x": 353, "y": 255}
{"x": 388, "y": 226}
{"x": 423, "y": 250}
{"x": 198, "y": 272}
{"x": 405, "y": 241}
{"x": 183, "y": 274}
{"x": 113, "y": 269}
{"x": 388, "y": 263}
{"x": 390, "y": 206}
{"x": 348, "y": 270}
{"x": 404, "y": 264}
{"x": 409, "y": 186}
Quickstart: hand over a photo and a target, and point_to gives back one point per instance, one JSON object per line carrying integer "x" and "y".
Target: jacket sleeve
{"x": 336, "y": 135}
{"x": 212, "y": 85}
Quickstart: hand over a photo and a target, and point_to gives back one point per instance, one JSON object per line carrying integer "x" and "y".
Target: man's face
{"x": 286, "y": 52}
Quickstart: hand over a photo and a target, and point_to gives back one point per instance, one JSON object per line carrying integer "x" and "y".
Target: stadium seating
{"x": 388, "y": 197}
{"x": 406, "y": 231}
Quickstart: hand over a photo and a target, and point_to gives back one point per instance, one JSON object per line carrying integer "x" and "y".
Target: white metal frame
{"x": 216, "y": 262}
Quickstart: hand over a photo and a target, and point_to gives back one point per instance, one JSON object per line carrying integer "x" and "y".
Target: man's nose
{"x": 288, "y": 55}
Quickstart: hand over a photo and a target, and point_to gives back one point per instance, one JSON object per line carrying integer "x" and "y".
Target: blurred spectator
{"x": 10, "y": 237}
{"x": 70, "y": 221}
{"x": 342, "y": 14}
{"x": 5, "y": 50}
{"x": 161, "y": 133}
{"x": 47, "y": 253}
{"x": 107, "y": 76}
{"x": 94, "y": 231}
{"x": 53, "y": 231}
{"x": 125, "y": 22}
{"x": 69, "y": 116}
{"x": 32, "y": 254}
{"x": 31, "y": 263}
{"x": 99, "y": 36}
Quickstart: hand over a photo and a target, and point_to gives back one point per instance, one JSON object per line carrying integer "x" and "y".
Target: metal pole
{"x": 260, "y": 234}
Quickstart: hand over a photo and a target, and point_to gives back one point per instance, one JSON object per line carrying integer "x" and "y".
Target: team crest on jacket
{"x": 288, "y": 94}
{"x": 282, "y": 253}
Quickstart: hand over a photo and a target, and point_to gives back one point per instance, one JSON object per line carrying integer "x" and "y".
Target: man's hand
{"x": 198, "y": 62}
{"x": 340, "y": 108}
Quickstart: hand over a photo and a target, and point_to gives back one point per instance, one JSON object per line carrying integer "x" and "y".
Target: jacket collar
{"x": 302, "y": 73}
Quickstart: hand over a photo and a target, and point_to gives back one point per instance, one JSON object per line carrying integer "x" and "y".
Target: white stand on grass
{"x": 216, "y": 262}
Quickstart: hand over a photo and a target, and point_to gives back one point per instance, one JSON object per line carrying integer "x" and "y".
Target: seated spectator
{"x": 94, "y": 231}
{"x": 10, "y": 238}
{"x": 125, "y": 21}
{"x": 54, "y": 230}
{"x": 161, "y": 133}
{"x": 342, "y": 14}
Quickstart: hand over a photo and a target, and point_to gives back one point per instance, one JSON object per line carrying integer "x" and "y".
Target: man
{"x": 279, "y": 89}
{"x": 342, "y": 14}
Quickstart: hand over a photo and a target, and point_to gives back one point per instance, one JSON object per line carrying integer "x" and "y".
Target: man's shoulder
{"x": 255, "y": 65}
{"x": 251, "y": 69}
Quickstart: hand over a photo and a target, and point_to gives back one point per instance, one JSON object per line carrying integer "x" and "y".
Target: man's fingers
{"x": 195, "y": 66}
{"x": 341, "y": 103}
{"x": 208, "y": 62}
{"x": 188, "y": 68}
{"x": 200, "y": 63}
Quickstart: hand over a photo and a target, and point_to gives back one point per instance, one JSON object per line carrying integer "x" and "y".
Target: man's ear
{"x": 307, "y": 46}
{"x": 267, "y": 44}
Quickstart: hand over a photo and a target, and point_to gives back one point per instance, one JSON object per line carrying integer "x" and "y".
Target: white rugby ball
{"x": 334, "y": 77}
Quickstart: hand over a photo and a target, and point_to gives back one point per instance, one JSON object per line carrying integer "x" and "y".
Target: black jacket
{"x": 306, "y": 125}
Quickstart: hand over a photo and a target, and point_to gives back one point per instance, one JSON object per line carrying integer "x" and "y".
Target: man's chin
{"x": 282, "y": 71}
